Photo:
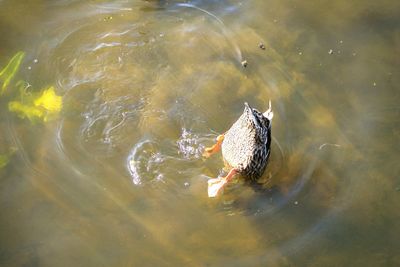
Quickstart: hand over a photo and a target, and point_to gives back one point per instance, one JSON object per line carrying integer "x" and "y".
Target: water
{"x": 116, "y": 178}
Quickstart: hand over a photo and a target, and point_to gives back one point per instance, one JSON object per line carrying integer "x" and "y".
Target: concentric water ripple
{"x": 146, "y": 85}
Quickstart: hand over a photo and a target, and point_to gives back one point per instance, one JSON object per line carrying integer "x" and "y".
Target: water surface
{"x": 116, "y": 178}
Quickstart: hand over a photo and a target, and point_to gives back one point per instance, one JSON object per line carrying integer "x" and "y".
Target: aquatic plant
{"x": 44, "y": 106}
{"x": 9, "y": 71}
{"x": 49, "y": 100}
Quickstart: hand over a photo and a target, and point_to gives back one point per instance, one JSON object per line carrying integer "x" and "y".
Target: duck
{"x": 246, "y": 147}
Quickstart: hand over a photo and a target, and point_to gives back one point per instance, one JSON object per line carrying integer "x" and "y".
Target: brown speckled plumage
{"x": 246, "y": 146}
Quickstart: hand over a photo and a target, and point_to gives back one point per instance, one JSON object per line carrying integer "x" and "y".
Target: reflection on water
{"x": 117, "y": 178}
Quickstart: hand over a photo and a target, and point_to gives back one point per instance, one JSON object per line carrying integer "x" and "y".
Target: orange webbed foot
{"x": 216, "y": 185}
{"x": 208, "y": 151}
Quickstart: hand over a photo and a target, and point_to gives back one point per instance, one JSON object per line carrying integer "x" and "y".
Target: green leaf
{"x": 9, "y": 71}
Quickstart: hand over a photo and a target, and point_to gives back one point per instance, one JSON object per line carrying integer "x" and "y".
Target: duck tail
{"x": 269, "y": 114}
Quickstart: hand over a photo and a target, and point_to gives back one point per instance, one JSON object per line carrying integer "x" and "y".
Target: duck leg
{"x": 208, "y": 151}
{"x": 216, "y": 185}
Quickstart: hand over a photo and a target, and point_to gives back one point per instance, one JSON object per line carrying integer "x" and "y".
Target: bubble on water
{"x": 157, "y": 158}
{"x": 160, "y": 178}
{"x": 189, "y": 145}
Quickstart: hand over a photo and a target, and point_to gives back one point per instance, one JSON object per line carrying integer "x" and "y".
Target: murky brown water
{"x": 117, "y": 177}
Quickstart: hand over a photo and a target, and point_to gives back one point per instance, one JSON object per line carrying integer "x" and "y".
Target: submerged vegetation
{"x": 9, "y": 71}
{"x": 37, "y": 106}
{"x": 42, "y": 106}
